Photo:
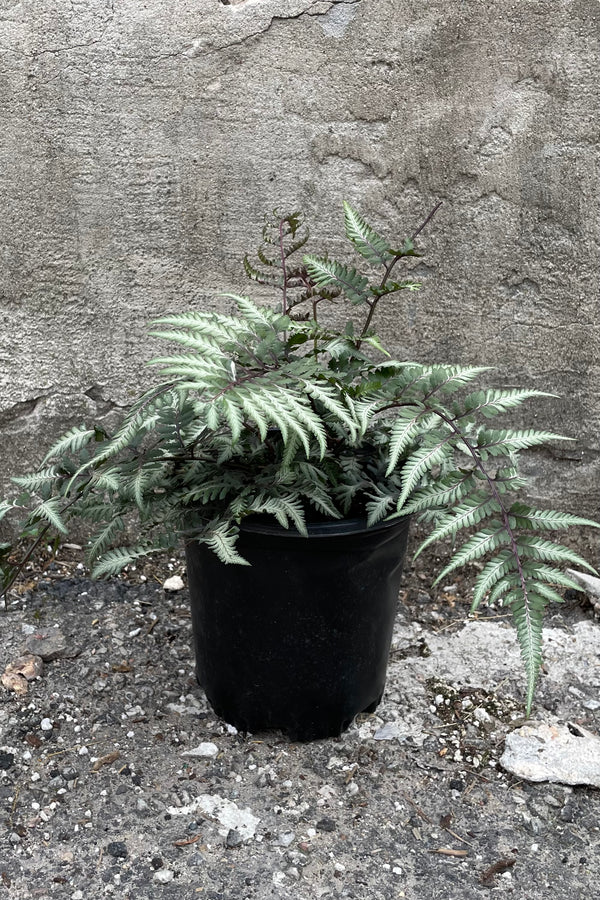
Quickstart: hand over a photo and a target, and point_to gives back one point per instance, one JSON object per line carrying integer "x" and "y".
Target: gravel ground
{"x": 101, "y": 794}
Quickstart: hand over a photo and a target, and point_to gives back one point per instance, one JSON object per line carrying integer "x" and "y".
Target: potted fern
{"x": 279, "y": 438}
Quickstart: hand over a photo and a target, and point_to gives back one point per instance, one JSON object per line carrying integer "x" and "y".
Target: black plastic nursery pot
{"x": 299, "y": 640}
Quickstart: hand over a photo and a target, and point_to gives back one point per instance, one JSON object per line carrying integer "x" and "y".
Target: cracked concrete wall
{"x": 141, "y": 144}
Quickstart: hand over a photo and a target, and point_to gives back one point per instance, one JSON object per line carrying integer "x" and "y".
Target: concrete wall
{"x": 141, "y": 142}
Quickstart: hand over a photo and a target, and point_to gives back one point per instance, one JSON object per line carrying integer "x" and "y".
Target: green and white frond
{"x": 366, "y": 240}
{"x": 72, "y": 442}
{"x": 326, "y": 272}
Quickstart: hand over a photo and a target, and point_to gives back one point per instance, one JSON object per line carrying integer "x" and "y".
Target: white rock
{"x": 163, "y": 876}
{"x": 174, "y": 583}
{"x": 188, "y": 705}
{"x": 388, "y": 732}
{"x": 592, "y": 704}
{"x": 590, "y": 583}
{"x": 482, "y": 715}
{"x": 207, "y": 749}
{"x": 327, "y": 791}
{"x": 286, "y": 838}
{"x": 46, "y": 725}
{"x": 224, "y": 811}
{"x": 563, "y": 754}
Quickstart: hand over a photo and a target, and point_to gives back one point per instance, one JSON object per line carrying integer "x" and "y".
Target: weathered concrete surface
{"x": 563, "y": 754}
{"x": 140, "y": 145}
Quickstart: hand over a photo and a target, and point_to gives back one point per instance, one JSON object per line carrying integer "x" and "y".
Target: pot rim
{"x": 328, "y": 528}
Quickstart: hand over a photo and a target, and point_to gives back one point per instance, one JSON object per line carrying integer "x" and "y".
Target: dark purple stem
{"x": 388, "y": 272}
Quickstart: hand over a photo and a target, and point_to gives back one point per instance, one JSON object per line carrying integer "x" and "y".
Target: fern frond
{"x": 391, "y": 287}
{"x": 200, "y": 343}
{"x": 378, "y": 508}
{"x": 366, "y": 240}
{"x": 495, "y": 401}
{"x": 524, "y": 516}
{"x": 327, "y": 271}
{"x": 222, "y": 540}
{"x": 50, "y": 511}
{"x": 72, "y": 441}
{"x": 328, "y": 397}
{"x": 233, "y": 417}
{"x": 260, "y": 316}
{"x": 5, "y": 507}
{"x": 441, "y": 494}
{"x": 534, "y": 572}
{"x": 549, "y": 574}
{"x": 448, "y": 379}
{"x": 484, "y": 541}
{"x": 105, "y": 537}
{"x": 140, "y": 419}
{"x": 419, "y": 463}
{"x": 37, "y": 480}
{"x": 466, "y": 515}
{"x": 108, "y": 479}
{"x": 491, "y": 574}
{"x": 531, "y": 546}
{"x": 411, "y": 423}
{"x": 527, "y": 609}
{"x": 114, "y": 561}
{"x": 284, "y": 509}
{"x": 496, "y": 443}
{"x": 259, "y": 276}
{"x": 254, "y": 409}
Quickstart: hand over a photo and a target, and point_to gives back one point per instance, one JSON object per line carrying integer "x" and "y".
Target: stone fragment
{"x": 285, "y": 838}
{"x": 589, "y": 583}
{"x": 326, "y": 824}
{"x": 188, "y": 706}
{"x": 50, "y": 644}
{"x": 233, "y": 839}
{"x": 163, "y": 876}
{"x": 563, "y": 754}
{"x": 117, "y": 849}
{"x": 388, "y": 732}
{"x": 13, "y": 682}
{"x": 29, "y": 666}
{"x": 226, "y": 812}
{"x": 207, "y": 749}
{"x": 20, "y": 671}
{"x": 174, "y": 583}
{"x": 6, "y": 760}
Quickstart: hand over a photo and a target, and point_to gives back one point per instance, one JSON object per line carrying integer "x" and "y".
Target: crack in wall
{"x": 21, "y": 410}
{"x": 316, "y": 8}
{"x": 43, "y": 51}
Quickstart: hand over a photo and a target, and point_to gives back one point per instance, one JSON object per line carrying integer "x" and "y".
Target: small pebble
{"x": 117, "y": 849}
{"x": 50, "y": 644}
{"x": 286, "y": 838}
{"x": 234, "y": 839}
{"x": 163, "y": 876}
{"x": 206, "y": 749}
{"x": 174, "y": 583}
{"x": 6, "y": 760}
